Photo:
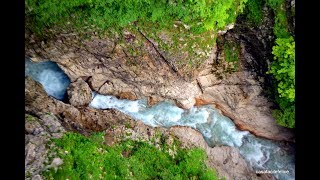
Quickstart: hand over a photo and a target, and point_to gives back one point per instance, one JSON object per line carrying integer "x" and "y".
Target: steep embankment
{"x": 109, "y": 69}
{"x": 142, "y": 60}
{"x": 52, "y": 118}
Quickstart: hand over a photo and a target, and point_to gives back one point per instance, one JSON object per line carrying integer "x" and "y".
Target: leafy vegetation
{"x": 283, "y": 66}
{"x": 200, "y": 15}
{"x": 253, "y": 11}
{"x": 285, "y": 116}
{"x": 89, "y": 158}
{"x": 283, "y": 69}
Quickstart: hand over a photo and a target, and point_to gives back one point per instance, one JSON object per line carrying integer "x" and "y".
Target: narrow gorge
{"x": 211, "y": 90}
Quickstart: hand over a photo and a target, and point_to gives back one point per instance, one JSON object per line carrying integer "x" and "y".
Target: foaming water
{"x": 49, "y": 74}
{"x": 216, "y": 129}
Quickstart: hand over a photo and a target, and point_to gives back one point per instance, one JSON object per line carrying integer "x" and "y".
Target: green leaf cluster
{"x": 253, "y": 11}
{"x": 200, "y": 15}
{"x": 89, "y": 158}
{"x": 283, "y": 67}
{"x": 285, "y": 116}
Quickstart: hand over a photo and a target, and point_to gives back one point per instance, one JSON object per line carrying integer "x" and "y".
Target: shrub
{"x": 283, "y": 70}
{"x": 285, "y": 116}
{"x": 283, "y": 66}
{"x": 253, "y": 11}
{"x": 89, "y": 158}
{"x": 201, "y": 15}
{"x": 274, "y": 4}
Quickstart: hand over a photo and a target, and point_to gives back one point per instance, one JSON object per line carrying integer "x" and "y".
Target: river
{"x": 217, "y": 130}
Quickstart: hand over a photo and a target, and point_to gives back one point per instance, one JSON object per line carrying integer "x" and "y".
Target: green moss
{"x": 30, "y": 118}
{"x": 231, "y": 51}
{"x": 28, "y": 174}
{"x": 186, "y": 50}
{"x": 89, "y": 158}
{"x": 127, "y": 125}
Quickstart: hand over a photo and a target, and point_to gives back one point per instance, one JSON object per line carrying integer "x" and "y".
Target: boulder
{"x": 79, "y": 93}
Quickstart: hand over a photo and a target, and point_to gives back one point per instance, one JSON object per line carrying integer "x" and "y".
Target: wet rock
{"x": 79, "y": 93}
{"x": 80, "y": 119}
{"x": 152, "y": 100}
{"x": 115, "y": 72}
{"x": 201, "y": 102}
{"x": 226, "y": 160}
{"x": 127, "y": 95}
{"x": 240, "y": 98}
{"x": 186, "y": 103}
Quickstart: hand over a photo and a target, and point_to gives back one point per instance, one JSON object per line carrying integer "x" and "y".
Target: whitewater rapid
{"x": 217, "y": 130}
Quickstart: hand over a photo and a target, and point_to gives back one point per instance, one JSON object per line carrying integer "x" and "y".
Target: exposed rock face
{"x": 38, "y": 131}
{"x": 127, "y": 95}
{"x": 79, "y": 93}
{"x": 240, "y": 97}
{"x": 84, "y": 119}
{"x": 226, "y": 160}
{"x": 110, "y": 69}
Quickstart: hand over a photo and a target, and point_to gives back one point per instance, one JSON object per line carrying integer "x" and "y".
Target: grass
{"x": 89, "y": 158}
{"x": 102, "y": 14}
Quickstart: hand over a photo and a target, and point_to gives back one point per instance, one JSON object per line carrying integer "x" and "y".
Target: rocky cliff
{"x": 134, "y": 66}
{"x": 47, "y": 118}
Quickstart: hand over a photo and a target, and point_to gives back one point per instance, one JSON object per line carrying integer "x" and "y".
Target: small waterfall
{"x": 50, "y": 75}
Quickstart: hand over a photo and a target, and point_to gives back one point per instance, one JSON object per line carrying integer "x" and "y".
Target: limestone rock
{"x": 127, "y": 95}
{"x": 113, "y": 71}
{"x": 152, "y": 100}
{"x": 79, "y": 93}
{"x": 81, "y": 119}
{"x": 38, "y": 131}
{"x": 226, "y": 160}
{"x": 186, "y": 103}
{"x": 240, "y": 98}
